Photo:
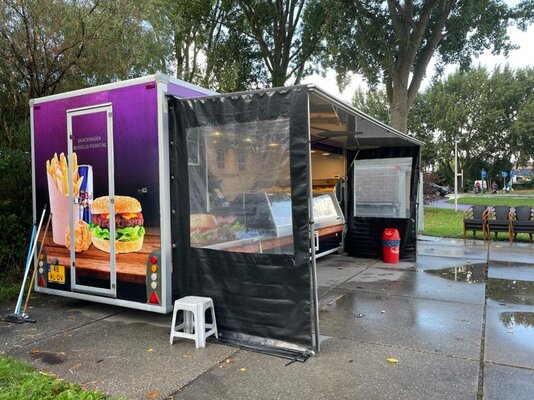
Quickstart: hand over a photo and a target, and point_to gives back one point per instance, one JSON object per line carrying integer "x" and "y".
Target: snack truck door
{"x": 91, "y": 175}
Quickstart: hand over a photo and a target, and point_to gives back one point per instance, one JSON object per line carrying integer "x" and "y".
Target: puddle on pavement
{"x": 511, "y": 291}
{"x": 501, "y": 290}
{"x": 472, "y": 273}
{"x": 520, "y": 327}
{"x": 518, "y": 319}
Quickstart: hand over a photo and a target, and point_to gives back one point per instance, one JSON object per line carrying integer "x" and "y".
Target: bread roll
{"x": 120, "y": 247}
{"x": 203, "y": 221}
{"x": 123, "y": 204}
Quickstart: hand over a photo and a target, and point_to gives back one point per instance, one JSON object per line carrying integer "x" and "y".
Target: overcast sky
{"x": 523, "y": 57}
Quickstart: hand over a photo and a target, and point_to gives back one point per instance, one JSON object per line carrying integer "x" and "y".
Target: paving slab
{"x": 336, "y": 260}
{"x": 322, "y": 290}
{"x": 401, "y": 265}
{"x": 130, "y": 359}
{"x": 452, "y": 250}
{"x": 344, "y": 369}
{"x": 419, "y": 284}
{"x": 477, "y": 249}
{"x": 53, "y": 315}
{"x": 427, "y": 325}
{"x": 511, "y": 271}
{"x": 333, "y": 275}
{"x": 510, "y": 334}
{"x": 502, "y": 382}
{"x": 425, "y": 263}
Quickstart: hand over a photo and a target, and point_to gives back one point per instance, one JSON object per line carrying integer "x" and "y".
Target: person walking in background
{"x": 494, "y": 187}
{"x": 508, "y": 187}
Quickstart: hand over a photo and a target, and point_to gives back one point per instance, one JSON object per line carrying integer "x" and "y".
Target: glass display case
{"x": 262, "y": 223}
{"x": 329, "y": 223}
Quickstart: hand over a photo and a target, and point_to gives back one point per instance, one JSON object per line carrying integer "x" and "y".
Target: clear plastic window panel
{"x": 240, "y": 193}
{"x": 382, "y": 187}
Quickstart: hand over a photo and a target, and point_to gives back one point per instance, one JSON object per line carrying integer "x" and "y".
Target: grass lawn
{"x": 19, "y": 380}
{"x": 443, "y": 222}
{"x": 447, "y": 223}
{"x": 496, "y": 200}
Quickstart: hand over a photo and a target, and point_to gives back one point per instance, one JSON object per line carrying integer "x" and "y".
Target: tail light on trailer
{"x": 153, "y": 278}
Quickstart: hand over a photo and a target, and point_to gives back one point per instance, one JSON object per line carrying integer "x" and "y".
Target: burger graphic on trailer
{"x": 129, "y": 230}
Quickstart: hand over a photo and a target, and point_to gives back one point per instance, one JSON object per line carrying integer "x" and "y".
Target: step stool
{"x": 194, "y": 324}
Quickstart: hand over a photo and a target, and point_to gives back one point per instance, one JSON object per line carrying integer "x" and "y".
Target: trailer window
{"x": 382, "y": 187}
{"x": 241, "y": 166}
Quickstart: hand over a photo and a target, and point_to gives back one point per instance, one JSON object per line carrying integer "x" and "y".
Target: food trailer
{"x": 231, "y": 196}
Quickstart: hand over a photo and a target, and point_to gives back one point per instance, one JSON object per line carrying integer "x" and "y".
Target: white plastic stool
{"x": 194, "y": 324}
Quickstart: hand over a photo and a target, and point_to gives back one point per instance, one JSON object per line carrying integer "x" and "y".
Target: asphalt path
{"x": 441, "y": 202}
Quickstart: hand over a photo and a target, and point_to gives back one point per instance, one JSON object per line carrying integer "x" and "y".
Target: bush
{"x": 15, "y": 200}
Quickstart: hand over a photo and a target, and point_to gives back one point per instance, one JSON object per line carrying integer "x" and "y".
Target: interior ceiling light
{"x": 325, "y": 154}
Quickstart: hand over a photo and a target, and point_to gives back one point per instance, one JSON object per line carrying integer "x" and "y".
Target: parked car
{"x": 438, "y": 190}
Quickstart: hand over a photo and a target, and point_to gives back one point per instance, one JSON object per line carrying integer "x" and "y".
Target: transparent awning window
{"x": 382, "y": 187}
{"x": 240, "y": 189}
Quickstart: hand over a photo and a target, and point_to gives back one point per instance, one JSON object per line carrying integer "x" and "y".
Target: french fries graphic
{"x": 58, "y": 169}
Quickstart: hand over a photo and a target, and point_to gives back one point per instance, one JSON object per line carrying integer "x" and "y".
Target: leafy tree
{"x": 287, "y": 34}
{"x": 373, "y": 102}
{"x": 523, "y": 125}
{"x": 393, "y": 42}
{"x": 484, "y": 112}
{"x": 47, "y": 46}
{"x": 202, "y": 43}
{"x": 46, "y": 41}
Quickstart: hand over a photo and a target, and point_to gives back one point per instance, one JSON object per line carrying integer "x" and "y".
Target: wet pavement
{"x": 457, "y": 325}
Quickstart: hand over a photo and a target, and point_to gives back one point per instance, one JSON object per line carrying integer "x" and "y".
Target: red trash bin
{"x": 390, "y": 245}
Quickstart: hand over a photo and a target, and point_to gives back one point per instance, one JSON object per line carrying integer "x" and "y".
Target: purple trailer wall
{"x": 131, "y": 110}
{"x": 134, "y": 134}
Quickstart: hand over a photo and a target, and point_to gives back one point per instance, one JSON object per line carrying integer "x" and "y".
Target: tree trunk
{"x": 400, "y": 108}
{"x": 278, "y": 77}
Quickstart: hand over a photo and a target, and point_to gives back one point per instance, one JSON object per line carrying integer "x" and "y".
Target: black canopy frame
{"x": 270, "y": 300}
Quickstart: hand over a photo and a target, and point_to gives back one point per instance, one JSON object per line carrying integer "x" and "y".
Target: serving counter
{"x": 262, "y": 223}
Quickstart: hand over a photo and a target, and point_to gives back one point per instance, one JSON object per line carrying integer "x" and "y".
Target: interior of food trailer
{"x": 274, "y": 180}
